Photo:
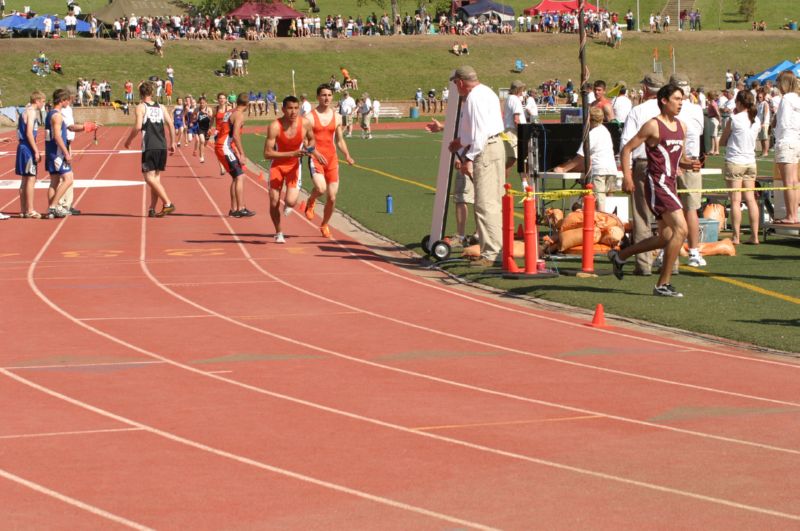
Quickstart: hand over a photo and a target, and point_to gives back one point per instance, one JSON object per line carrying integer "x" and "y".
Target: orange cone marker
{"x": 599, "y": 319}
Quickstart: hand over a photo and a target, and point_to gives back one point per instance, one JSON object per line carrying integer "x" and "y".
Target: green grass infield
{"x": 753, "y": 297}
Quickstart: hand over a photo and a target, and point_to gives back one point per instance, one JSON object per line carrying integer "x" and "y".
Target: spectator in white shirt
{"x": 787, "y": 141}
{"x": 740, "y": 162}
{"x": 513, "y": 114}
{"x": 622, "y": 105}
{"x": 602, "y": 165}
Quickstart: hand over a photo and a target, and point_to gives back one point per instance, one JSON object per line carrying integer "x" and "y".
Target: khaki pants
{"x": 66, "y": 199}
{"x": 489, "y": 177}
{"x": 642, "y": 216}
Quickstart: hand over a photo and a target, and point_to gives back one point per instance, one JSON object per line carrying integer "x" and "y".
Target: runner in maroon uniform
{"x": 664, "y": 139}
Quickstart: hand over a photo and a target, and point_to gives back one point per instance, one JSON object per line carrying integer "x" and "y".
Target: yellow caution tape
{"x": 560, "y": 194}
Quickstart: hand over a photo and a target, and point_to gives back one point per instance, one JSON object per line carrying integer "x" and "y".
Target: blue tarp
{"x": 770, "y": 74}
{"x": 485, "y": 6}
{"x": 13, "y": 21}
{"x": 18, "y": 23}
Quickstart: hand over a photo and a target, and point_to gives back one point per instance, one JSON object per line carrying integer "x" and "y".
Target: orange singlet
{"x": 223, "y": 129}
{"x": 286, "y": 169}
{"x": 324, "y": 135}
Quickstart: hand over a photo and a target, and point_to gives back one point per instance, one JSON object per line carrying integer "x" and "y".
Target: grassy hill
{"x": 389, "y": 68}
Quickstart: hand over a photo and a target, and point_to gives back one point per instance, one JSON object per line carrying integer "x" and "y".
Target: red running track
{"x": 188, "y": 372}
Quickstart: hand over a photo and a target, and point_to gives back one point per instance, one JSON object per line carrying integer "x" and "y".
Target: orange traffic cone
{"x": 599, "y": 319}
{"x": 520, "y": 235}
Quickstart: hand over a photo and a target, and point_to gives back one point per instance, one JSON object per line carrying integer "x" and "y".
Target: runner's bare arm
{"x": 29, "y": 122}
{"x": 139, "y": 113}
{"x": 55, "y": 124}
{"x": 725, "y": 134}
{"x": 311, "y": 142}
{"x": 236, "y": 133}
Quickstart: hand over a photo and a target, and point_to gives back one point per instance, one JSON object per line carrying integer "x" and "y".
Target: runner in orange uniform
{"x": 288, "y": 139}
{"x": 230, "y": 154}
{"x": 219, "y": 117}
{"x": 327, "y": 125}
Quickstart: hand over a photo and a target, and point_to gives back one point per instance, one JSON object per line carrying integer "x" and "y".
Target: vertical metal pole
{"x": 584, "y": 91}
{"x": 638, "y": 28}
{"x": 679, "y": 16}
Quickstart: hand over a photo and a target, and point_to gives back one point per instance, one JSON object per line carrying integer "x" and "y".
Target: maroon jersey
{"x": 662, "y": 167}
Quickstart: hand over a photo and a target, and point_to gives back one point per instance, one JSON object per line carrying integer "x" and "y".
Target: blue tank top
{"x": 22, "y": 126}
{"x": 50, "y": 145}
{"x": 177, "y": 116}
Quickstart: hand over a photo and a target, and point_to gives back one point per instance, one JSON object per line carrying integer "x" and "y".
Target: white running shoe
{"x": 697, "y": 261}
{"x": 288, "y": 210}
{"x": 279, "y": 238}
{"x": 4, "y": 216}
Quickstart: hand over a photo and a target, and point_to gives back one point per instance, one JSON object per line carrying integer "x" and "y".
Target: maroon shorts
{"x": 661, "y": 194}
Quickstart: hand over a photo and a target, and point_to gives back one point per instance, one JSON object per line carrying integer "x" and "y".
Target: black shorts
{"x": 154, "y": 160}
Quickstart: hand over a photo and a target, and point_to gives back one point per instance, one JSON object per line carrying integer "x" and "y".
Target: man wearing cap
{"x": 642, "y": 216}
{"x": 513, "y": 114}
{"x": 693, "y": 120}
{"x": 481, "y": 157}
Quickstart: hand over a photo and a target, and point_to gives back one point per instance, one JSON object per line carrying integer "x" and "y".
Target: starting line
{"x": 78, "y": 183}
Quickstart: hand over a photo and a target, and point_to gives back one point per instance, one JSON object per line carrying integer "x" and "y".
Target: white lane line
{"x": 72, "y": 501}
{"x": 143, "y": 318}
{"x": 404, "y": 429}
{"x": 188, "y": 442}
{"x": 60, "y": 433}
{"x": 79, "y": 365}
{"x": 244, "y": 460}
{"x": 380, "y": 499}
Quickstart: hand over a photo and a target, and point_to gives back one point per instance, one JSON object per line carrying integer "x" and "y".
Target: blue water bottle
{"x": 389, "y": 204}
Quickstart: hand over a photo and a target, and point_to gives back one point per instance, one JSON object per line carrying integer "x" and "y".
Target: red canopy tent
{"x": 265, "y": 9}
{"x": 557, "y": 6}
{"x": 269, "y": 9}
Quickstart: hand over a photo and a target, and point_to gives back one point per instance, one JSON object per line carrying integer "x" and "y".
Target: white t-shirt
{"x": 693, "y": 119}
{"x": 602, "y": 152}
{"x": 305, "y": 107}
{"x": 741, "y": 147}
{"x": 69, "y": 119}
{"x": 366, "y": 106}
{"x": 480, "y": 120}
{"x": 347, "y": 106}
{"x": 376, "y": 107}
{"x": 638, "y": 116}
{"x": 622, "y": 105}
{"x": 787, "y": 121}
{"x": 512, "y": 107}
{"x": 531, "y": 109}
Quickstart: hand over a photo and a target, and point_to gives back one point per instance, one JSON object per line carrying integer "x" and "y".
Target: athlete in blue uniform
{"x": 177, "y": 119}
{"x": 28, "y": 154}
{"x": 57, "y": 158}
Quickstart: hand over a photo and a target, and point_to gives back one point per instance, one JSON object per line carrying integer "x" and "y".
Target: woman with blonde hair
{"x": 739, "y": 138}
{"x": 715, "y": 117}
{"x": 787, "y": 142}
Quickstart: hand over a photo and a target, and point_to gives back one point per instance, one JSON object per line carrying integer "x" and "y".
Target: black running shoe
{"x": 616, "y": 263}
{"x": 245, "y": 213}
{"x": 235, "y": 213}
{"x": 74, "y": 212}
{"x": 151, "y": 213}
{"x": 666, "y": 291}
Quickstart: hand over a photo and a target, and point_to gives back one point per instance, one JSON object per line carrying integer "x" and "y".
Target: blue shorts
{"x": 194, "y": 129}
{"x": 178, "y": 124}
{"x": 26, "y": 164}
{"x": 55, "y": 163}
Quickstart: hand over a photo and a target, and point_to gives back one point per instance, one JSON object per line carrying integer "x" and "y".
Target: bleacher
{"x": 390, "y": 111}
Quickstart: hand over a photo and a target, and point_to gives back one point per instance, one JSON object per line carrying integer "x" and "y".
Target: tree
{"x": 382, "y": 4}
{"x": 748, "y": 9}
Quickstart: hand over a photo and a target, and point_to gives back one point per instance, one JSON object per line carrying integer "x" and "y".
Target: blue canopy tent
{"x": 36, "y": 24}
{"x": 487, "y": 7}
{"x": 770, "y": 74}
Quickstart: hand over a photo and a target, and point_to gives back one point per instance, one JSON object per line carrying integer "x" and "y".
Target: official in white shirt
{"x": 622, "y": 105}
{"x": 513, "y": 114}
{"x": 693, "y": 119}
{"x": 482, "y": 158}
